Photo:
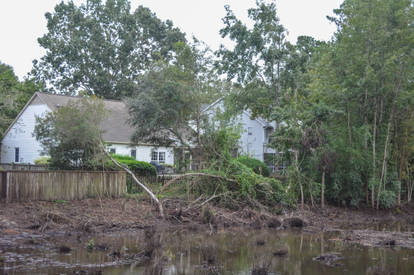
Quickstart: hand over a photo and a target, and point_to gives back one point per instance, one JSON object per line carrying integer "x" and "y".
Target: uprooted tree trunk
{"x": 136, "y": 180}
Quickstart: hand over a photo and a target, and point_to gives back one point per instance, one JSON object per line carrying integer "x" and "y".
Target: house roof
{"x": 115, "y": 127}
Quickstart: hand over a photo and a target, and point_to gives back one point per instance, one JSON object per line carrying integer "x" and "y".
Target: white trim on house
{"x": 21, "y": 112}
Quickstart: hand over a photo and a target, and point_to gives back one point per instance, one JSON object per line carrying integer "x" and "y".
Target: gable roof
{"x": 116, "y": 128}
{"x": 19, "y": 114}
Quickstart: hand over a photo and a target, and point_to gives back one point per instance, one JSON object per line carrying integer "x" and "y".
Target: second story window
{"x": 17, "y": 154}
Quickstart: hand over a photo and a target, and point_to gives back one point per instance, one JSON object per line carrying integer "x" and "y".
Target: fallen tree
{"x": 126, "y": 169}
{"x": 233, "y": 185}
{"x": 165, "y": 186}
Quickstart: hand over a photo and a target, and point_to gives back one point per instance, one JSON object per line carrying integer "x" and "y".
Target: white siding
{"x": 251, "y": 145}
{"x": 144, "y": 152}
{"x": 20, "y": 135}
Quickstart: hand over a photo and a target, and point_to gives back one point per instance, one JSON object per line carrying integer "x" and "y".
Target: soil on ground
{"x": 74, "y": 219}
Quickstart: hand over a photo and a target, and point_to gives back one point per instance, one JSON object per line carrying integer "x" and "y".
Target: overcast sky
{"x": 23, "y": 21}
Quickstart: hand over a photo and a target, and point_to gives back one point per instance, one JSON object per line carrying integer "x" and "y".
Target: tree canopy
{"x": 343, "y": 108}
{"x": 169, "y": 97}
{"x": 72, "y": 134}
{"x": 258, "y": 57}
{"x": 13, "y": 95}
{"x": 101, "y": 47}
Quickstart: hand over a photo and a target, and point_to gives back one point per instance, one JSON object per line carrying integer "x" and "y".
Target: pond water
{"x": 188, "y": 252}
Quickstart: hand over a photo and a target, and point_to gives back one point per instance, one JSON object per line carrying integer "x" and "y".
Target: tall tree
{"x": 102, "y": 47}
{"x": 364, "y": 74}
{"x": 169, "y": 97}
{"x": 257, "y": 59}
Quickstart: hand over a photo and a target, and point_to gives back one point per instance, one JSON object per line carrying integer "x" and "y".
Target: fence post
{"x": 3, "y": 185}
{"x": 5, "y": 181}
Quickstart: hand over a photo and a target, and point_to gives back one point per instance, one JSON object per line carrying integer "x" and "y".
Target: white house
{"x": 18, "y": 145}
{"x": 254, "y": 135}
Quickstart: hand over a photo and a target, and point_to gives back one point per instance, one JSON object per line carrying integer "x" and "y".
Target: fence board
{"x": 60, "y": 185}
{"x": 24, "y": 167}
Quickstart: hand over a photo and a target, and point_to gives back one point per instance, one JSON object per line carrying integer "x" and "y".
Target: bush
{"x": 42, "y": 161}
{"x": 256, "y": 165}
{"x": 140, "y": 168}
{"x": 388, "y": 199}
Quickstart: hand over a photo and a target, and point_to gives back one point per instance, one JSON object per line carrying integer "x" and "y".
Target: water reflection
{"x": 239, "y": 252}
{"x": 225, "y": 252}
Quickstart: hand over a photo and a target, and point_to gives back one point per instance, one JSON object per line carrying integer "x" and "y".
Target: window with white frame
{"x": 154, "y": 156}
{"x": 161, "y": 157}
{"x": 158, "y": 156}
{"x": 112, "y": 151}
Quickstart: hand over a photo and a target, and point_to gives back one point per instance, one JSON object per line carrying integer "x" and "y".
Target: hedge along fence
{"x": 61, "y": 185}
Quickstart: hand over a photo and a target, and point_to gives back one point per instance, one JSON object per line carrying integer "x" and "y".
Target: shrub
{"x": 388, "y": 199}
{"x": 42, "y": 161}
{"x": 141, "y": 168}
{"x": 256, "y": 165}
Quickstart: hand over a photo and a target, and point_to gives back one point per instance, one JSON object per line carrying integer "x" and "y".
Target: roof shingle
{"x": 116, "y": 127}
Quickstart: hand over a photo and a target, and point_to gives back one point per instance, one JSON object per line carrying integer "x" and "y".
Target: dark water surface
{"x": 224, "y": 252}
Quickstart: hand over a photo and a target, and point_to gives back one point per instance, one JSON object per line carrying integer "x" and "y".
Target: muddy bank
{"x": 77, "y": 219}
{"x": 44, "y": 235}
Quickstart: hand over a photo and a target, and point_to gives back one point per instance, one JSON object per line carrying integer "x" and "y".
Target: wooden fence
{"x": 24, "y": 167}
{"x": 60, "y": 185}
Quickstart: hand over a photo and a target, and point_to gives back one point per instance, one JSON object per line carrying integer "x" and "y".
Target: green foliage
{"x": 170, "y": 95}
{"x": 13, "y": 95}
{"x": 90, "y": 245}
{"x": 251, "y": 187}
{"x": 388, "y": 199}
{"x": 144, "y": 171}
{"x": 42, "y": 161}
{"x": 61, "y": 202}
{"x": 71, "y": 135}
{"x": 233, "y": 183}
{"x": 367, "y": 80}
{"x": 102, "y": 47}
{"x": 257, "y": 59}
{"x": 259, "y": 167}
{"x": 220, "y": 142}
{"x": 140, "y": 168}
